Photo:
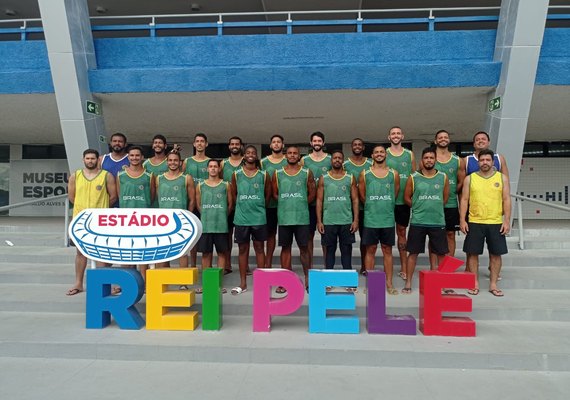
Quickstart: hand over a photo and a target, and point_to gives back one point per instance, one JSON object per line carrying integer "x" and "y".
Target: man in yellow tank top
{"x": 89, "y": 187}
{"x": 486, "y": 195}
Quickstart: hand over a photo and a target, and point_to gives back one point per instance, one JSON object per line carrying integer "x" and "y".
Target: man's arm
{"x": 152, "y": 188}
{"x": 233, "y": 186}
{"x": 267, "y": 187}
{"x": 198, "y": 199}
{"x": 320, "y": 196}
{"x": 463, "y": 204}
{"x": 311, "y": 190}
{"x": 396, "y": 183}
{"x": 413, "y": 163}
{"x": 355, "y": 205}
{"x": 71, "y": 188}
{"x": 460, "y": 174}
{"x": 504, "y": 169}
{"x": 231, "y": 200}
{"x": 506, "y": 226}
{"x": 362, "y": 188}
{"x": 409, "y": 191}
{"x": 445, "y": 190}
{"x": 191, "y": 191}
{"x": 111, "y": 189}
{"x": 275, "y": 191}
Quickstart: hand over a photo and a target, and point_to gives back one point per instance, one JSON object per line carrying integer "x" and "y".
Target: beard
{"x": 317, "y": 147}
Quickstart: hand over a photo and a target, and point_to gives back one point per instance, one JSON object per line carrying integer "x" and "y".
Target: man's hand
{"x": 505, "y": 228}
{"x": 464, "y": 227}
{"x": 321, "y": 227}
{"x": 354, "y": 226}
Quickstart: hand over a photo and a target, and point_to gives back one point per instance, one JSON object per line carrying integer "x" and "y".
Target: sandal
{"x": 280, "y": 290}
{"x": 497, "y": 292}
{"x": 473, "y": 292}
{"x": 238, "y": 290}
{"x": 402, "y": 275}
{"x": 73, "y": 292}
{"x": 392, "y": 291}
{"x": 407, "y": 290}
{"x": 198, "y": 290}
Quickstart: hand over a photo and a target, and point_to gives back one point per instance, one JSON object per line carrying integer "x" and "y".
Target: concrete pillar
{"x": 71, "y": 54}
{"x": 519, "y": 39}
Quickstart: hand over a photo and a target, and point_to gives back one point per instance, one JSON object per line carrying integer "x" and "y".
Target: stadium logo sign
{"x": 131, "y": 236}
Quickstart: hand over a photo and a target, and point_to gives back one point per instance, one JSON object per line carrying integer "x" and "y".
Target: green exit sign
{"x": 495, "y": 104}
{"x": 93, "y": 108}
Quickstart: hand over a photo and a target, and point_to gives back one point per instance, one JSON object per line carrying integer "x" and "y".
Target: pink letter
{"x": 264, "y": 307}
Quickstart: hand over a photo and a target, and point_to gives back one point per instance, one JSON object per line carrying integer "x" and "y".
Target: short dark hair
{"x": 159, "y": 137}
{"x": 395, "y": 127}
{"x": 213, "y": 160}
{"x": 120, "y": 135}
{"x": 277, "y": 136}
{"x": 318, "y": 134}
{"x": 337, "y": 151}
{"x": 486, "y": 152}
{"x": 482, "y": 133}
{"x": 139, "y": 148}
{"x": 355, "y": 139}
{"x": 202, "y": 135}
{"x": 378, "y": 145}
{"x": 91, "y": 151}
{"x": 233, "y": 138}
{"x": 440, "y": 131}
{"x": 176, "y": 153}
{"x": 429, "y": 149}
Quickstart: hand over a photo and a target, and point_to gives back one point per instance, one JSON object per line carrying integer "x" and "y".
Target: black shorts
{"x": 371, "y": 236}
{"x": 479, "y": 233}
{"x": 402, "y": 214}
{"x": 243, "y": 234}
{"x": 286, "y": 233}
{"x": 340, "y": 233}
{"x": 208, "y": 240}
{"x": 231, "y": 220}
{"x": 312, "y": 220}
{"x": 417, "y": 239}
{"x": 451, "y": 219}
{"x": 271, "y": 216}
{"x": 360, "y": 222}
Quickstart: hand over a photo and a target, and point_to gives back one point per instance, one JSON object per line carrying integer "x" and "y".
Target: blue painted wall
{"x": 286, "y": 62}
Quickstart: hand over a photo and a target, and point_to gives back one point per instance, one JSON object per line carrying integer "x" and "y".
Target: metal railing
{"x": 31, "y": 202}
{"x": 289, "y": 19}
{"x": 519, "y": 200}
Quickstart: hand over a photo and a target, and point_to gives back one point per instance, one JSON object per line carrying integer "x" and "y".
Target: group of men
{"x": 251, "y": 200}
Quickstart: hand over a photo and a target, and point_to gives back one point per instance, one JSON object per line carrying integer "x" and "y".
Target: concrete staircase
{"x": 525, "y": 331}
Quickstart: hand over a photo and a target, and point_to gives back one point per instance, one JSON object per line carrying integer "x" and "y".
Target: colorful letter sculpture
{"x": 101, "y": 305}
{"x": 320, "y": 301}
{"x": 433, "y": 303}
{"x": 159, "y": 299}
{"x": 212, "y": 299}
{"x": 378, "y": 321}
{"x": 264, "y": 306}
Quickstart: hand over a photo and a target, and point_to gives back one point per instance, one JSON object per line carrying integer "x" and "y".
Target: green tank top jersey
{"x": 198, "y": 170}
{"x": 403, "y": 165}
{"x": 380, "y": 199}
{"x": 337, "y": 203}
{"x": 135, "y": 192}
{"x": 292, "y": 207}
{"x": 250, "y": 201}
{"x": 214, "y": 206}
{"x": 270, "y": 167}
{"x": 228, "y": 170}
{"x": 450, "y": 169}
{"x": 156, "y": 169}
{"x": 318, "y": 168}
{"x": 172, "y": 193}
{"x": 355, "y": 170}
{"x": 427, "y": 200}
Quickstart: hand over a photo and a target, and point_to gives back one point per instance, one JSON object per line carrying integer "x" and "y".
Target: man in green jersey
{"x": 174, "y": 189}
{"x": 318, "y": 162}
{"x": 252, "y": 189}
{"x": 294, "y": 189}
{"x": 427, "y": 190}
{"x": 454, "y": 167}
{"x": 229, "y": 166}
{"x": 378, "y": 187}
{"x": 197, "y": 167}
{"x": 337, "y": 212}
{"x": 136, "y": 187}
{"x": 214, "y": 202}
{"x": 276, "y": 160}
{"x": 157, "y": 163}
{"x": 354, "y": 165}
{"x": 401, "y": 160}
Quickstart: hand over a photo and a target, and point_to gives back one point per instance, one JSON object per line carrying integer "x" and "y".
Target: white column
{"x": 519, "y": 39}
{"x": 71, "y": 54}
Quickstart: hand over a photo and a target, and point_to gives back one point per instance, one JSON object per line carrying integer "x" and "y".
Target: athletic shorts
{"x": 417, "y": 239}
{"x": 231, "y": 220}
{"x": 301, "y": 233}
{"x": 243, "y": 234}
{"x": 402, "y": 214}
{"x": 271, "y": 215}
{"x": 312, "y": 219}
{"x": 451, "y": 219}
{"x": 337, "y": 233}
{"x": 360, "y": 222}
{"x": 479, "y": 233}
{"x": 209, "y": 240}
{"x": 371, "y": 236}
